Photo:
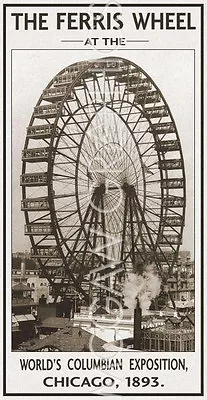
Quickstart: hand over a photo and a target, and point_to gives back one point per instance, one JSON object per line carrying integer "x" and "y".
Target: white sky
{"x": 32, "y": 70}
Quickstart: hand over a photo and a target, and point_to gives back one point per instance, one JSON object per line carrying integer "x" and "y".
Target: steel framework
{"x": 103, "y": 181}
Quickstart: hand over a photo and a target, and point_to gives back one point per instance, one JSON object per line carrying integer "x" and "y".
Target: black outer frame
{"x": 201, "y": 6}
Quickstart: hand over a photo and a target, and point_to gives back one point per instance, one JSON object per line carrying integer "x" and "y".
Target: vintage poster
{"x": 103, "y": 269}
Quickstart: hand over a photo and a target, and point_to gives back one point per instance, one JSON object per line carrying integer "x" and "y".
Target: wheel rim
{"x": 115, "y": 98}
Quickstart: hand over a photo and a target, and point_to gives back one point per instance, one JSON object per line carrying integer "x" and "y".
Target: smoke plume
{"x": 145, "y": 287}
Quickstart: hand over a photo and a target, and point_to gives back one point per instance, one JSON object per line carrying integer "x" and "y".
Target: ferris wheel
{"x": 103, "y": 181}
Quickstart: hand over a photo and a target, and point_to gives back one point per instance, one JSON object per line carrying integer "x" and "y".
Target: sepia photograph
{"x": 103, "y": 201}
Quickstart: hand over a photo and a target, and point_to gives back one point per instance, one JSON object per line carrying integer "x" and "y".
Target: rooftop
{"x": 20, "y": 287}
{"x": 68, "y": 339}
{"x": 100, "y": 311}
{"x": 55, "y": 322}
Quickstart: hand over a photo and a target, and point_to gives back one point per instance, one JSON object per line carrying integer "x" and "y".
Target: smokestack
{"x": 22, "y": 269}
{"x": 137, "y": 327}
